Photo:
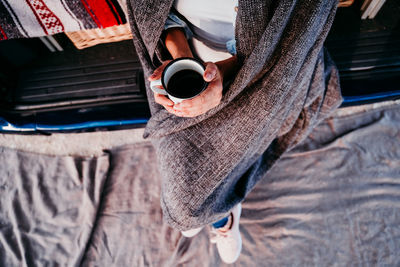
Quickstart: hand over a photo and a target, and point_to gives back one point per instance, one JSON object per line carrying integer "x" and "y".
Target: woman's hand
{"x": 207, "y": 100}
{"x": 158, "y": 98}
{"x": 198, "y": 105}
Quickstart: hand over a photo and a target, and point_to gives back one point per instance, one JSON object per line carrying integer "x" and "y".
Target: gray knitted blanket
{"x": 286, "y": 85}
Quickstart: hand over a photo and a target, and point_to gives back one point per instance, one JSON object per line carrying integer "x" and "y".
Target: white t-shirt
{"x": 216, "y": 18}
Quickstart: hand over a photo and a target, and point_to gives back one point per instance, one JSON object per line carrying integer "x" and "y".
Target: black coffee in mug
{"x": 185, "y": 83}
{"x": 181, "y": 79}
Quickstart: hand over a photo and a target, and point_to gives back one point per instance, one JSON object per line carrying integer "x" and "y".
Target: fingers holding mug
{"x": 163, "y": 100}
{"x": 158, "y": 72}
{"x": 180, "y": 81}
{"x": 211, "y": 72}
{"x": 156, "y": 84}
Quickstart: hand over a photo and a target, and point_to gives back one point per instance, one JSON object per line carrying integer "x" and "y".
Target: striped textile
{"x": 32, "y": 18}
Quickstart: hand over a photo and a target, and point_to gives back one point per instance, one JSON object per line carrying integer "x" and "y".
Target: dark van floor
{"x": 367, "y": 53}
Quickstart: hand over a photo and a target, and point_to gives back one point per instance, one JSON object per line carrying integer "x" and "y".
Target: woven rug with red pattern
{"x": 32, "y": 18}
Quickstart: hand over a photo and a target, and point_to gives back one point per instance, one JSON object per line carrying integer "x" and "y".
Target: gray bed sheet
{"x": 334, "y": 200}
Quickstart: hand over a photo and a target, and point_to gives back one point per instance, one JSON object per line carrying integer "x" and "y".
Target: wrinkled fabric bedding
{"x": 334, "y": 200}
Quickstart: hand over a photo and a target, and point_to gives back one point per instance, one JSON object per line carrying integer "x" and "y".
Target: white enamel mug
{"x": 172, "y": 68}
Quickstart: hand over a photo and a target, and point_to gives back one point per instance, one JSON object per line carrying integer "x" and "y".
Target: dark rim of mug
{"x": 174, "y": 61}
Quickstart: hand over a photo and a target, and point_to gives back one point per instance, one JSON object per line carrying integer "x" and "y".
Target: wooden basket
{"x": 87, "y": 38}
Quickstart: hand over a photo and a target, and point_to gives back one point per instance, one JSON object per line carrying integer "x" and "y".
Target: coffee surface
{"x": 185, "y": 84}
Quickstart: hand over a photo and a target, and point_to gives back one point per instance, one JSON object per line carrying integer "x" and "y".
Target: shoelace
{"x": 218, "y": 236}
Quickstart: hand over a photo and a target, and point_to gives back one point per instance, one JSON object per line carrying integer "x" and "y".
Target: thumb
{"x": 211, "y": 72}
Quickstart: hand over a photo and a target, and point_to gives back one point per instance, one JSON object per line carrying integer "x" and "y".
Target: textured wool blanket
{"x": 32, "y": 18}
{"x": 285, "y": 86}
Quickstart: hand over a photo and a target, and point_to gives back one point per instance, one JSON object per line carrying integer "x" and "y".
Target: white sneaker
{"x": 191, "y": 232}
{"x": 228, "y": 239}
